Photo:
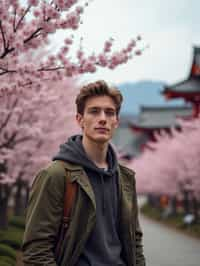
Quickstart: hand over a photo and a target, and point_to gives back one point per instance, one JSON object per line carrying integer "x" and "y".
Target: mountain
{"x": 145, "y": 92}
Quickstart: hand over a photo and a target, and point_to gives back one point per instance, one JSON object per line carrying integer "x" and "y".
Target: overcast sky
{"x": 170, "y": 27}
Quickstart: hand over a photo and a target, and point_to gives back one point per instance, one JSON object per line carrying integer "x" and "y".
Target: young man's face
{"x": 99, "y": 119}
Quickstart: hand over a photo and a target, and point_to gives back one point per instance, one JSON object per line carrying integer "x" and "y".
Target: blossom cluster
{"x": 25, "y": 29}
{"x": 171, "y": 165}
{"x": 37, "y": 87}
{"x": 32, "y": 125}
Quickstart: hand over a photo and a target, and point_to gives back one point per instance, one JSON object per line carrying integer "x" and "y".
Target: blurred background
{"x": 150, "y": 50}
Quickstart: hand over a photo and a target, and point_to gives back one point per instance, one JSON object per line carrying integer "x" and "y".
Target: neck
{"x": 96, "y": 151}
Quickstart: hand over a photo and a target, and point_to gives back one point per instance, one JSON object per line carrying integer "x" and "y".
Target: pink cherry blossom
{"x": 37, "y": 84}
{"x": 173, "y": 165}
{"x": 33, "y": 2}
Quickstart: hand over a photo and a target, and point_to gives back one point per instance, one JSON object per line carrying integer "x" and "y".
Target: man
{"x": 104, "y": 228}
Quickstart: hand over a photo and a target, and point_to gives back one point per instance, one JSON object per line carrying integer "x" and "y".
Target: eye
{"x": 94, "y": 111}
{"x": 110, "y": 112}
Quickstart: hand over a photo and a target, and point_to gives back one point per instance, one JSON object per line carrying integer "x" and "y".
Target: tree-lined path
{"x": 166, "y": 247}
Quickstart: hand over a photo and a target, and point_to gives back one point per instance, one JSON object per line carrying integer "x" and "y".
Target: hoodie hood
{"x": 73, "y": 151}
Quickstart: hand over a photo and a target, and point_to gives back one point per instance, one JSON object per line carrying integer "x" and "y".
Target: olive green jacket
{"x": 45, "y": 213}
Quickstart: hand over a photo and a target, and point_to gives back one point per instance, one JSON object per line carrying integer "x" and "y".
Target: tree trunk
{"x": 186, "y": 204}
{"x": 174, "y": 205}
{"x": 18, "y": 199}
{"x": 5, "y": 192}
{"x": 196, "y": 209}
{"x": 27, "y": 195}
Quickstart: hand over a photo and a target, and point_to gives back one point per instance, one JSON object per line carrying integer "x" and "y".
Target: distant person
{"x": 104, "y": 228}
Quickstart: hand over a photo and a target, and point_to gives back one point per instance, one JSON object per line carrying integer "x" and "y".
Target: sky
{"x": 170, "y": 28}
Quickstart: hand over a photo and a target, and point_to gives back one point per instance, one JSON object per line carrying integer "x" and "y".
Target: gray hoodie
{"x": 103, "y": 247}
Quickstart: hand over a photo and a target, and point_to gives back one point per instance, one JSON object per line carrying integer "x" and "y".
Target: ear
{"x": 79, "y": 119}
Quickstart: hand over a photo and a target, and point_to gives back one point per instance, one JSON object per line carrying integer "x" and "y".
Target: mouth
{"x": 102, "y": 129}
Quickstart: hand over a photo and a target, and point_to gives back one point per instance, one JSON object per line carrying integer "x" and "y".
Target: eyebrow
{"x": 106, "y": 108}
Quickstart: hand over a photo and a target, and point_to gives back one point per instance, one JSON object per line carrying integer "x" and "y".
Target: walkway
{"x": 167, "y": 247}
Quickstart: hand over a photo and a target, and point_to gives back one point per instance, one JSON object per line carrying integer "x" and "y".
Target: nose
{"x": 102, "y": 116}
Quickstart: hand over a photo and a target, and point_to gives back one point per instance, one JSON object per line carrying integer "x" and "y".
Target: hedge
{"x": 4, "y": 261}
{"x": 7, "y": 251}
{"x": 18, "y": 222}
{"x": 12, "y": 237}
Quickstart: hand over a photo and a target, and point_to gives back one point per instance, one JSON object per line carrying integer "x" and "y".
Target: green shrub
{"x": 175, "y": 221}
{"x": 7, "y": 251}
{"x": 4, "y": 261}
{"x": 12, "y": 237}
{"x": 1, "y": 233}
{"x": 17, "y": 221}
{"x": 150, "y": 211}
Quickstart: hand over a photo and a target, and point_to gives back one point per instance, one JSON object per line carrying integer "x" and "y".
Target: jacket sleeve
{"x": 43, "y": 219}
{"x": 140, "y": 259}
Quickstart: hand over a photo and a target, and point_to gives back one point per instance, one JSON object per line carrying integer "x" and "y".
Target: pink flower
{"x": 80, "y": 54}
{"x": 36, "y": 13}
{"x": 14, "y": 3}
{"x": 107, "y": 46}
{"x": 103, "y": 60}
{"x": 138, "y": 52}
{"x": 65, "y": 49}
{"x": 33, "y": 2}
{"x": 79, "y": 9}
{"x": 132, "y": 43}
{"x": 51, "y": 58}
{"x": 68, "y": 41}
{"x": 49, "y": 27}
{"x": 63, "y": 24}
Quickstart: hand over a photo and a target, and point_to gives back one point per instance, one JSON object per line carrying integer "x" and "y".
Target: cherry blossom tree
{"x": 26, "y": 28}
{"x": 57, "y": 122}
{"x": 39, "y": 122}
{"x": 37, "y": 87}
{"x": 172, "y": 165}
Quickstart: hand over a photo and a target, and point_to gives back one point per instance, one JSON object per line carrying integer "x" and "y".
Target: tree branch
{"x": 9, "y": 143}
{"x": 14, "y": 20}
{"x": 7, "y": 51}
{"x": 8, "y": 116}
{"x": 22, "y": 17}
{"x": 3, "y": 36}
{"x": 6, "y": 71}
{"x": 21, "y": 140}
{"x": 51, "y": 69}
{"x": 32, "y": 35}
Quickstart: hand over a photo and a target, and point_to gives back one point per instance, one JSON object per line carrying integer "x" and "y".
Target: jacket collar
{"x": 78, "y": 175}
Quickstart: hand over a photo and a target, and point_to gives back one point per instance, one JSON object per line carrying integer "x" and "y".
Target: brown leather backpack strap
{"x": 69, "y": 199}
{"x": 70, "y": 193}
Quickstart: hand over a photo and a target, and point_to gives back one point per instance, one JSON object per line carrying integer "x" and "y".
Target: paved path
{"x": 166, "y": 247}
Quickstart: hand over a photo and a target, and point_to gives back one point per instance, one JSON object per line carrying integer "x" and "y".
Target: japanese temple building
{"x": 189, "y": 89}
{"x": 134, "y": 132}
{"x": 153, "y": 119}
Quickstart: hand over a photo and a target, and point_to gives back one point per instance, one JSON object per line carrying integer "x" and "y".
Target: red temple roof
{"x": 188, "y": 89}
{"x": 195, "y": 69}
